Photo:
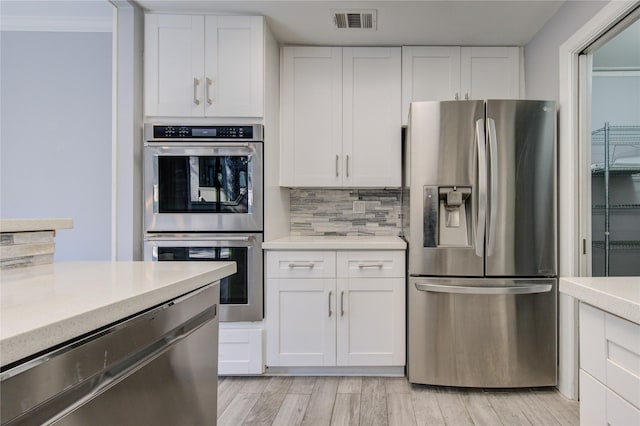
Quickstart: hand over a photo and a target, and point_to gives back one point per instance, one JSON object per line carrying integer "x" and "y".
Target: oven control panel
{"x": 179, "y": 132}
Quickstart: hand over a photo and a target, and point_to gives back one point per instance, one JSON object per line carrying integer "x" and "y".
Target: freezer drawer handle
{"x": 301, "y": 265}
{"x": 521, "y": 289}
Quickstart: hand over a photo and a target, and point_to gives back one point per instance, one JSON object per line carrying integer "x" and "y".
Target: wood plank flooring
{"x": 380, "y": 401}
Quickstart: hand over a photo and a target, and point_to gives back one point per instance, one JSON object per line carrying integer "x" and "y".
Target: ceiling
{"x": 399, "y": 23}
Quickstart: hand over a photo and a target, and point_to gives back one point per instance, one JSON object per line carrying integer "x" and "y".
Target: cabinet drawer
{"x": 240, "y": 351}
{"x": 371, "y": 264}
{"x": 623, "y": 358}
{"x": 301, "y": 264}
{"x": 620, "y": 412}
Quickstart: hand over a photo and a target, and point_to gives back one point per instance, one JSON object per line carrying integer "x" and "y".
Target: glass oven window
{"x": 218, "y": 184}
{"x": 233, "y": 289}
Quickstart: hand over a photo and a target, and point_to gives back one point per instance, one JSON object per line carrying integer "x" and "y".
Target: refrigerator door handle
{"x": 482, "y": 187}
{"x": 493, "y": 161}
{"x": 459, "y": 289}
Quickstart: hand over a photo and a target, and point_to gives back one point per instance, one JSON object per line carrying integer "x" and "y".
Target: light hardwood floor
{"x": 372, "y": 401}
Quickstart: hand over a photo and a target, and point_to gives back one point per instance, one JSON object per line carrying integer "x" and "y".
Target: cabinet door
{"x": 490, "y": 72}
{"x": 311, "y": 148}
{"x": 371, "y": 321}
{"x": 371, "y": 127}
{"x": 301, "y": 322}
{"x": 593, "y": 400}
{"x": 234, "y": 66}
{"x": 174, "y": 65}
{"x": 429, "y": 73}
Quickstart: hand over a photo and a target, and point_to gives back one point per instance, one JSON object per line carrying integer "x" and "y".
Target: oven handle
{"x": 198, "y": 144}
{"x": 198, "y": 237}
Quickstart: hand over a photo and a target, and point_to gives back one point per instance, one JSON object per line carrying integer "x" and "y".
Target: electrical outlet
{"x": 359, "y": 207}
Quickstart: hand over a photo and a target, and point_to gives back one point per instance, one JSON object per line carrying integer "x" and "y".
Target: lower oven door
{"x": 241, "y": 293}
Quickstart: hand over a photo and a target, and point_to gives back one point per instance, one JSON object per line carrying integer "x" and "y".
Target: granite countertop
{"x": 336, "y": 243}
{"x": 25, "y": 225}
{"x": 617, "y": 295}
{"x": 43, "y": 306}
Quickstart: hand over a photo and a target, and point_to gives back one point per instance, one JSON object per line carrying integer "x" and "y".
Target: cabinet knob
{"x": 456, "y": 97}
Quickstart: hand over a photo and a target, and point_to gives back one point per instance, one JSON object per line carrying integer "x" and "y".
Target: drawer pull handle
{"x": 301, "y": 265}
{"x": 370, "y": 265}
{"x": 330, "y": 303}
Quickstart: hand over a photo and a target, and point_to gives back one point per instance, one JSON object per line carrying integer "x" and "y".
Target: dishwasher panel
{"x": 159, "y": 367}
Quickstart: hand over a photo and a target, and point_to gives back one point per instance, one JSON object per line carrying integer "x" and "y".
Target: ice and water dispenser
{"x": 447, "y": 216}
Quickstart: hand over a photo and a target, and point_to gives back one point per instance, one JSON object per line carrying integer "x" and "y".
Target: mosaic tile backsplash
{"x": 331, "y": 212}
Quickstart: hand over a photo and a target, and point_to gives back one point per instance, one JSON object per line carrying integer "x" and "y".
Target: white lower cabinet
{"x": 609, "y": 369}
{"x": 335, "y": 308}
{"x": 240, "y": 349}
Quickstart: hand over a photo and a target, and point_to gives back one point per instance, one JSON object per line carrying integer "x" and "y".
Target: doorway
{"x": 611, "y": 150}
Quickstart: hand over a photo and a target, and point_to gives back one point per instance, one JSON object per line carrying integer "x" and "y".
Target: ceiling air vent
{"x": 354, "y": 19}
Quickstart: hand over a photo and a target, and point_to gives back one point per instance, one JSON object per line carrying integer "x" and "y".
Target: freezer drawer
{"x": 482, "y": 332}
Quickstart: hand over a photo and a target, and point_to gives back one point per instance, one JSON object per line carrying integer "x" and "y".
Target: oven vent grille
{"x": 354, "y": 19}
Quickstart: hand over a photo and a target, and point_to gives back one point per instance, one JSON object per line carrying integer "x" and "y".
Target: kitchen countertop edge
{"x": 296, "y": 242}
{"x": 617, "y": 295}
{"x": 29, "y": 225}
{"x": 18, "y": 342}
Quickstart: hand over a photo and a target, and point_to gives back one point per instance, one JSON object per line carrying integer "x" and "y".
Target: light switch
{"x": 359, "y": 207}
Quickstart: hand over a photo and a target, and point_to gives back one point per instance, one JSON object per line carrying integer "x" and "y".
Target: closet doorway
{"x": 611, "y": 152}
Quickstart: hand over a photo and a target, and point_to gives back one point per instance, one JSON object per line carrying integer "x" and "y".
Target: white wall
{"x": 541, "y": 53}
{"x": 55, "y": 148}
{"x": 128, "y": 208}
{"x": 542, "y": 80}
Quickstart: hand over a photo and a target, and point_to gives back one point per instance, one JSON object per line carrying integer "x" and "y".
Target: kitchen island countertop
{"x": 617, "y": 295}
{"x": 44, "y": 306}
{"x": 29, "y": 225}
{"x": 365, "y": 242}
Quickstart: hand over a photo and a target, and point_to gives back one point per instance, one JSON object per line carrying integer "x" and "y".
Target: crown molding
{"x": 83, "y": 24}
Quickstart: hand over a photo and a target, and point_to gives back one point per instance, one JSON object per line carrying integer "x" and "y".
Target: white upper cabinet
{"x": 490, "y": 72}
{"x": 429, "y": 73}
{"x": 311, "y": 81}
{"x": 204, "y": 66}
{"x": 439, "y": 73}
{"x": 371, "y": 101}
{"x": 340, "y": 117}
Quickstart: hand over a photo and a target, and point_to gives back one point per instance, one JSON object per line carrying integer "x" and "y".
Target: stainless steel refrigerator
{"x": 482, "y": 232}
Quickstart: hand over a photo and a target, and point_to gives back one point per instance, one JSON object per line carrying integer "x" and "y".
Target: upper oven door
{"x": 203, "y": 186}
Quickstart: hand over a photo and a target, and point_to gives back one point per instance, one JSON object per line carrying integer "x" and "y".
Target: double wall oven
{"x": 203, "y": 196}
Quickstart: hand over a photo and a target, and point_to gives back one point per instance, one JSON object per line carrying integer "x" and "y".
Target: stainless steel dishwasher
{"x": 156, "y": 368}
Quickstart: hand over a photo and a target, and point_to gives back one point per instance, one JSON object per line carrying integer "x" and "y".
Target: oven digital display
{"x": 203, "y": 132}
